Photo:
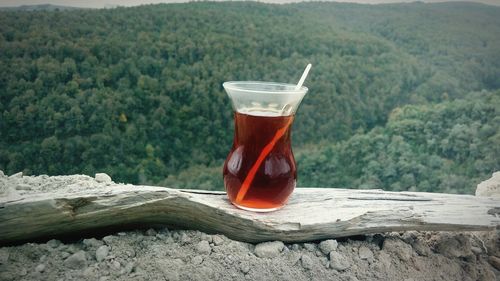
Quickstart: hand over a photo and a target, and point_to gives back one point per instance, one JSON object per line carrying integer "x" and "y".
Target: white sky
{"x": 107, "y": 3}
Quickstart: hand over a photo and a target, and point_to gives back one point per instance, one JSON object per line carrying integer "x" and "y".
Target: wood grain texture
{"x": 311, "y": 214}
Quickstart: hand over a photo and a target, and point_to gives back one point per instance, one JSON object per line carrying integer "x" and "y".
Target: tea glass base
{"x": 258, "y": 210}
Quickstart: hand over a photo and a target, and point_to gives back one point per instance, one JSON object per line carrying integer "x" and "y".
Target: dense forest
{"x": 402, "y": 96}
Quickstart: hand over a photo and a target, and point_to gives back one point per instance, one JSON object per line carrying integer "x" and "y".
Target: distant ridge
{"x": 114, "y": 4}
{"x": 41, "y": 7}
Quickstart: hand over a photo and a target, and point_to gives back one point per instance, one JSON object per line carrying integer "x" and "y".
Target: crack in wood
{"x": 390, "y": 198}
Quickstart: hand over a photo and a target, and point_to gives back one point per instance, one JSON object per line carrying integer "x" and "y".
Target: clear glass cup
{"x": 260, "y": 172}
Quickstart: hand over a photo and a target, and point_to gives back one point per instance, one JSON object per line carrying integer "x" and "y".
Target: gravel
{"x": 188, "y": 255}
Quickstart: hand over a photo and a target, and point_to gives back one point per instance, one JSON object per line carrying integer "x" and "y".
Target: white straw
{"x": 304, "y": 76}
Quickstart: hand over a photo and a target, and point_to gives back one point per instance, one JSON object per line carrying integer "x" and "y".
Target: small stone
{"x": 398, "y": 247}
{"x": 65, "y": 255}
{"x": 244, "y": 267}
{"x": 203, "y": 247}
{"x": 310, "y": 247}
{"x": 185, "y": 239}
{"x": 121, "y": 233}
{"x": 421, "y": 248}
{"x": 53, "y": 243}
{"x": 495, "y": 262}
{"x": 206, "y": 237}
{"x": 128, "y": 268}
{"x": 295, "y": 247}
{"x": 130, "y": 253}
{"x": 197, "y": 260}
{"x": 490, "y": 187}
{"x": 454, "y": 246}
{"x": 17, "y": 175}
{"x": 338, "y": 261}
{"x": 307, "y": 262}
{"x": 22, "y": 272}
{"x": 23, "y": 186}
{"x": 40, "y": 268}
{"x": 476, "y": 250}
{"x": 76, "y": 261}
{"x": 92, "y": 242}
{"x": 217, "y": 239}
{"x": 4, "y": 256}
{"x": 269, "y": 249}
{"x": 101, "y": 253}
{"x": 102, "y": 177}
{"x": 2, "y": 174}
{"x": 365, "y": 253}
{"x": 116, "y": 265}
{"x": 151, "y": 232}
{"x": 352, "y": 278}
{"x": 328, "y": 245}
{"x": 109, "y": 239}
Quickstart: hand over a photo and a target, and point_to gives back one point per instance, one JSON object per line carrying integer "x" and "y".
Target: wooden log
{"x": 311, "y": 214}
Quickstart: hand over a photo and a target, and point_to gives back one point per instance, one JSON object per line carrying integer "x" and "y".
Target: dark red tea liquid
{"x": 260, "y": 172}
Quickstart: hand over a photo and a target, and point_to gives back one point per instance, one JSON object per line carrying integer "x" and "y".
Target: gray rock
{"x": 454, "y": 246}
{"x": 17, "y": 175}
{"x": 365, "y": 253}
{"x": 244, "y": 267}
{"x": 102, "y": 177}
{"x": 2, "y": 174}
{"x": 21, "y": 272}
{"x": 92, "y": 242}
{"x": 128, "y": 268}
{"x": 40, "y": 268}
{"x": 185, "y": 239}
{"x": 54, "y": 243}
{"x": 203, "y": 247}
{"x": 398, "y": 247}
{"x": 328, "y": 245}
{"x": 151, "y": 232}
{"x": 23, "y": 186}
{"x": 109, "y": 239}
{"x": 295, "y": 247}
{"x": 307, "y": 262}
{"x": 338, "y": 261}
{"x": 101, "y": 253}
{"x": 269, "y": 249}
{"x": 217, "y": 240}
{"x": 4, "y": 256}
{"x": 197, "y": 260}
{"x": 206, "y": 237}
{"x": 310, "y": 247}
{"x": 65, "y": 255}
{"x": 421, "y": 248}
{"x": 490, "y": 187}
{"x": 76, "y": 260}
{"x": 476, "y": 250}
{"x": 116, "y": 265}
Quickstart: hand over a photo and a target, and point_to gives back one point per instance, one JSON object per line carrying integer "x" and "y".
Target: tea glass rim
{"x": 240, "y": 86}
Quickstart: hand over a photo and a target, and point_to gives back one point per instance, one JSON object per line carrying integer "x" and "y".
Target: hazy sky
{"x": 107, "y": 3}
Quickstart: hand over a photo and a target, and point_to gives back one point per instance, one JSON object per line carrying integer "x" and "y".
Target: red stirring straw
{"x": 267, "y": 149}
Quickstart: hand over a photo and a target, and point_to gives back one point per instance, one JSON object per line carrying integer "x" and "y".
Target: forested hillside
{"x": 396, "y": 96}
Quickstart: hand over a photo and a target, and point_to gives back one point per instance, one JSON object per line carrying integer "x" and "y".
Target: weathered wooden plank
{"x": 311, "y": 214}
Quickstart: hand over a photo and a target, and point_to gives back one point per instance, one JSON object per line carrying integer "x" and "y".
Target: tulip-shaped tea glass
{"x": 260, "y": 172}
